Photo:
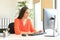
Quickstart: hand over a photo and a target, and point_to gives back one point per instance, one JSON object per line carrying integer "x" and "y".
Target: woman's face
{"x": 26, "y": 14}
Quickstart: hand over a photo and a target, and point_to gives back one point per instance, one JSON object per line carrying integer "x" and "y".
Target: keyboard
{"x": 40, "y": 33}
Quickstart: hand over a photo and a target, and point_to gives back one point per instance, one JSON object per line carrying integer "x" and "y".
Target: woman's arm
{"x": 31, "y": 27}
{"x": 16, "y": 26}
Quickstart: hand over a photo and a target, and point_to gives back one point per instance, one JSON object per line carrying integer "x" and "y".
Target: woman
{"x": 22, "y": 24}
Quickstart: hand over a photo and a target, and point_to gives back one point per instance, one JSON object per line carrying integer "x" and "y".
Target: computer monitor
{"x": 49, "y": 19}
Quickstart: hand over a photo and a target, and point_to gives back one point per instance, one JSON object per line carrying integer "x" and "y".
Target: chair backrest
{"x": 11, "y": 28}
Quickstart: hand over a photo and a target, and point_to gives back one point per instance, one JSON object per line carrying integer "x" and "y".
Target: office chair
{"x": 11, "y": 28}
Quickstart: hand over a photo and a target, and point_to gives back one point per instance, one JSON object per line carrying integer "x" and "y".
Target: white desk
{"x": 38, "y": 37}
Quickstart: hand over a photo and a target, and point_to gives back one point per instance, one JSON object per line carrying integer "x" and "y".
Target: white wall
{"x": 58, "y": 8}
{"x": 8, "y": 9}
{"x": 38, "y": 22}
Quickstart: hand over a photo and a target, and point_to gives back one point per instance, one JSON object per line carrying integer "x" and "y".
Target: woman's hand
{"x": 38, "y": 31}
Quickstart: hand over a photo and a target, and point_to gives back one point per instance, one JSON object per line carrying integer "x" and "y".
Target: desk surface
{"x": 19, "y": 37}
{"x": 36, "y": 37}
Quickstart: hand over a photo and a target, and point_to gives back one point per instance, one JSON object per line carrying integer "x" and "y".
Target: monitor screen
{"x": 49, "y": 19}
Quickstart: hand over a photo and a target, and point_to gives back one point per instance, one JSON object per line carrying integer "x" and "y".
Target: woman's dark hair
{"x": 22, "y": 11}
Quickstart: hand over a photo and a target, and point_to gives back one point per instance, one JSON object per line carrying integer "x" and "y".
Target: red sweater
{"x": 19, "y": 27}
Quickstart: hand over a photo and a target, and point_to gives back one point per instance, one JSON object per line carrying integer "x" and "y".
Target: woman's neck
{"x": 24, "y": 19}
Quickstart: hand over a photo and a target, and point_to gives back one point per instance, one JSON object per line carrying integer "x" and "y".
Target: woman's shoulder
{"x": 17, "y": 19}
{"x": 29, "y": 20}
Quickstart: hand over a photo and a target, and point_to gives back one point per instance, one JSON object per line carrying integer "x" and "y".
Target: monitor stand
{"x": 50, "y": 33}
